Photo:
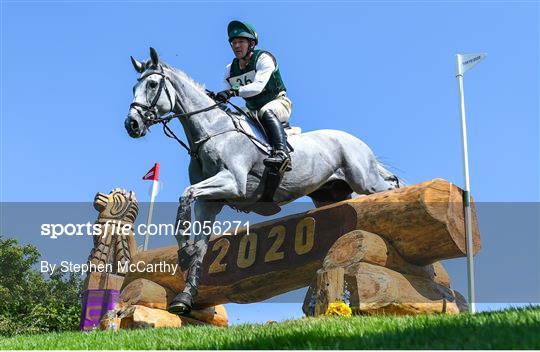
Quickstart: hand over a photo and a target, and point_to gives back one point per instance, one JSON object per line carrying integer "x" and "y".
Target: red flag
{"x": 153, "y": 174}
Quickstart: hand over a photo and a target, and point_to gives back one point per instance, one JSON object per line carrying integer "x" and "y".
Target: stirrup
{"x": 279, "y": 161}
{"x": 285, "y": 166}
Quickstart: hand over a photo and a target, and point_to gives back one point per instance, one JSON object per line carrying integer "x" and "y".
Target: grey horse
{"x": 227, "y": 167}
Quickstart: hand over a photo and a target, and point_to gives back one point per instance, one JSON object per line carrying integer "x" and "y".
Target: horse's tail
{"x": 390, "y": 176}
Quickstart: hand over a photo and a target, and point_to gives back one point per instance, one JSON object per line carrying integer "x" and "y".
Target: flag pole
{"x": 153, "y": 175}
{"x": 150, "y": 211}
{"x": 467, "y": 192}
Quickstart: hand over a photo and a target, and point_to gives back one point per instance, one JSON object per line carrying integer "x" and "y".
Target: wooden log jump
{"x": 423, "y": 223}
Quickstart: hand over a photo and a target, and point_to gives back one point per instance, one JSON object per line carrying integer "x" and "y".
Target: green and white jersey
{"x": 259, "y": 82}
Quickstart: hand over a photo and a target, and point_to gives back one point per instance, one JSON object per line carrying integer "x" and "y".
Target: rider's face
{"x": 240, "y": 47}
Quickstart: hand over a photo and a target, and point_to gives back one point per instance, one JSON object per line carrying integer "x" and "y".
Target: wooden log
{"x": 342, "y": 274}
{"x": 146, "y": 293}
{"x": 424, "y": 223}
{"x": 372, "y": 289}
{"x": 137, "y": 317}
{"x": 216, "y": 316}
{"x": 110, "y": 321}
{"x": 378, "y": 290}
{"x": 142, "y": 292}
{"x": 275, "y": 257}
{"x": 362, "y": 246}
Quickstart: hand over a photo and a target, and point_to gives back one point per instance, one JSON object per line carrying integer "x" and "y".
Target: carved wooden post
{"x": 141, "y": 304}
{"x": 330, "y": 288}
{"x": 114, "y": 246}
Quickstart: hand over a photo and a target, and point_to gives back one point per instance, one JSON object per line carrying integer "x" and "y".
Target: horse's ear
{"x": 139, "y": 67}
{"x": 154, "y": 56}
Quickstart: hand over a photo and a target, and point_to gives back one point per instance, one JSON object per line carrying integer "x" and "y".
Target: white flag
{"x": 467, "y": 61}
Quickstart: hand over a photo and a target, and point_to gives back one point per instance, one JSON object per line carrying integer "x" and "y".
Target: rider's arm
{"x": 265, "y": 66}
{"x": 226, "y": 83}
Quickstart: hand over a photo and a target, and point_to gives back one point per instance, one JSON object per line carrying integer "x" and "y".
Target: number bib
{"x": 242, "y": 77}
{"x": 242, "y": 80}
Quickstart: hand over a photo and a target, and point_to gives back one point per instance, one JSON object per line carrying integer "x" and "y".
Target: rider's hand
{"x": 225, "y": 95}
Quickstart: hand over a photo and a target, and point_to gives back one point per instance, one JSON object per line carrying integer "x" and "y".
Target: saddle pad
{"x": 253, "y": 129}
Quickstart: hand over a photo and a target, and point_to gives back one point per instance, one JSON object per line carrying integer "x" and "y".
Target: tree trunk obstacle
{"x": 365, "y": 271}
{"x": 380, "y": 253}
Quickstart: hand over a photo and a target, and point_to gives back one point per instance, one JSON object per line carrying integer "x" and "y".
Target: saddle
{"x": 249, "y": 124}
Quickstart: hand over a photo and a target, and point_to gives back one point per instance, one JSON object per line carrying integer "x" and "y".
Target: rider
{"x": 254, "y": 75}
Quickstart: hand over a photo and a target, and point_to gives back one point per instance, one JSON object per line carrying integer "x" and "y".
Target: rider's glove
{"x": 225, "y": 95}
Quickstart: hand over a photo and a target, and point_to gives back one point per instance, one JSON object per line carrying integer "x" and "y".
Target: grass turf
{"x": 508, "y": 329}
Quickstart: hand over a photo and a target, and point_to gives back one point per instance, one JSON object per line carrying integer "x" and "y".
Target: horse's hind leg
{"x": 362, "y": 173}
{"x": 331, "y": 192}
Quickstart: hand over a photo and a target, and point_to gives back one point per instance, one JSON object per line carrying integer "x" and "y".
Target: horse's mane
{"x": 199, "y": 86}
{"x": 181, "y": 74}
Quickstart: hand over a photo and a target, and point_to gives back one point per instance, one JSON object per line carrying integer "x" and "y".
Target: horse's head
{"x": 153, "y": 96}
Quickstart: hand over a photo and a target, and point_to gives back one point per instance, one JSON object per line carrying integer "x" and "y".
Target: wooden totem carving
{"x": 115, "y": 245}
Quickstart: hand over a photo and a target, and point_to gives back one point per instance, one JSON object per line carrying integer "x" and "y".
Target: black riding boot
{"x": 190, "y": 262}
{"x": 280, "y": 158}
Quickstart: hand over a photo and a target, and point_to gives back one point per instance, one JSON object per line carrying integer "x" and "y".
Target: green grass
{"x": 508, "y": 329}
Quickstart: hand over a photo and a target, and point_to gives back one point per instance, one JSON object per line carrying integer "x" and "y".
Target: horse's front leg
{"x": 190, "y": 256}
{"x": 224, "y": 185}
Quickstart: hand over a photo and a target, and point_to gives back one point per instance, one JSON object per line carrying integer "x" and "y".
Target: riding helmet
{"x": 238, "y": 29}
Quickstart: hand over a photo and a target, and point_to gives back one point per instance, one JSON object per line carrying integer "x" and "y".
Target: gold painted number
{"x": 279, "y": 233}
{"x": 305, "y": 236}
{"x": 222, "y": 245}
{"x": 247, "y": 250}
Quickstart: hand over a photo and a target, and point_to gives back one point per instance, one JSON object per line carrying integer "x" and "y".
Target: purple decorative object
{"x": 96, "y": 303}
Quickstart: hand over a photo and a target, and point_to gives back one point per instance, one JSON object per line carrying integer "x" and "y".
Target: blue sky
{"x": 383, "y": 71}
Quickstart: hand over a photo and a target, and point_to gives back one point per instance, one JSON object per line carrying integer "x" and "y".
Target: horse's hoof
{"x": 181, "y": 304}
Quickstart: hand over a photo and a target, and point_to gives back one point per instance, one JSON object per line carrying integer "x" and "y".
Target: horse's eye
{"x": 152, "y": 84}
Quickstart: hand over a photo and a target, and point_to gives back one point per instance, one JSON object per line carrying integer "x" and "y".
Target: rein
{"x": 194, "y": 152}
{"x": 198, "y": 144}
{"x": 150, "y": 116}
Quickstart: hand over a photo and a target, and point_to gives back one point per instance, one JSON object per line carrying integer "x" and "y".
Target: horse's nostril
{"x": 131, "y": 127}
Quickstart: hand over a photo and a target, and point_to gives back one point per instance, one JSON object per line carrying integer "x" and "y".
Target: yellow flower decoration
{"x": 339, "y": 308}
